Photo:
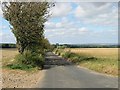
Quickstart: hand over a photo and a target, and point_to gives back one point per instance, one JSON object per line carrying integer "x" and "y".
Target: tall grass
{"x": 101, "y": 60}
{"x": 27, "y": 60}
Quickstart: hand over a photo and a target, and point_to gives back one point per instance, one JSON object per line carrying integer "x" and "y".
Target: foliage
{"x": 67, "y": 54}
{"x": 94, "y": 58}
{"x": 4, "y": 45}
{"x": 27, "y": 20}
{"x": 27, "y": 60}
{"x": 19, "y": 66}
{"x": 27, "y": 23}
{"x": 46, "y": 45}
{"x": 85, "y": 45}
{"x": 30, "y": 58}
{"x": 73, "y": 57}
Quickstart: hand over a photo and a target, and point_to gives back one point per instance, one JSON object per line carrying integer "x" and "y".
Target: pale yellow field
{"x": 107, "y": 59}
{"x": 8, "y": 55}
{"x": 97, "y": 52}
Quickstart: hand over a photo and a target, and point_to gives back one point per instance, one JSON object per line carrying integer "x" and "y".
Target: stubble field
{"x": 8, "y": 55}
{"x": 17, "y": 78}
{"x": 107, "y": 59}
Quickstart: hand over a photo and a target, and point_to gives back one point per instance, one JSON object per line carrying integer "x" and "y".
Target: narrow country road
{"x": 60, "y": 73}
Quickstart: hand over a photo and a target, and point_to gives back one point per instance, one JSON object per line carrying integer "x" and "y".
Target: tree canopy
{"x": 27, "y": 24}
{"x": 27, "y": 20}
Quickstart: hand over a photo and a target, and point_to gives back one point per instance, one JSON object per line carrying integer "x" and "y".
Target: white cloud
{"x": 61, "y": 9}
{"x": 63, "y": 32}
{"x": 7, "y": 37}
{"x": 83, "y": 30}
{"x": 1, "y": 12}
{"x": 64, "y": 23}
{"x": 76, "y": 29}
{"x": 92, "y": 9}
{"x": 4, "y": 27}
{"x": 80, "y": 12}
{"x": 82, "y": 35}
{"x": 49, "y": 24}
{"x": 97, "y": 13}
{"x": 58, "y": 25}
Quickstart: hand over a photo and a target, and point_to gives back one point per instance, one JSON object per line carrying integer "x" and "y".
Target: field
{"x": 8, "y": 55}
{"x": 22, "y": 79}
{"x": 107, "y": 59}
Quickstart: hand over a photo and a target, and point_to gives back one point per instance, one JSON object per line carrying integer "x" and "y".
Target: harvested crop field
{"x": 100, "y": 52}
{"x": 17, "y": 78}
{"x": 107, "y": 59}
{"x": 8, "y": 55}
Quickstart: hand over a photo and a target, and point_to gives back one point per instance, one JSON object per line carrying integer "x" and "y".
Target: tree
{"x": 46, "y": 43}
{"x": 27, "y": 20}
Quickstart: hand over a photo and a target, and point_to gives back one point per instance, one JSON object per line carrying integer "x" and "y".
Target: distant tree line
{"x": 66, "y": 46}
{"x": 84, "y": 46}
{"x": 7, "y": 45}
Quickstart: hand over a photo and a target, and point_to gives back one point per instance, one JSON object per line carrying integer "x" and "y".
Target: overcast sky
{"x": 76, "y": 23}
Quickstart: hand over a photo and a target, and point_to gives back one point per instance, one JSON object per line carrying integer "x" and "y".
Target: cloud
{"x": 7, "y": 37}
{"x": 4, "y": 27}
{"x": 83, "y": 30}
{"x": 97, "y": 13}
{"x": 100, "y": 4}
{"x": 64, "y": 23}
{"x": 1, "y": 12}
{"x": 63, "y": 32}
{"x": 49, "y": 24}
{"x": 61, "y": 9}
{"x": 82, "y": 35}
{"x": 70, "y": 24}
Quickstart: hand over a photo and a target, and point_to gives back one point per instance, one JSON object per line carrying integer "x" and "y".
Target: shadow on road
{"x": 52, "y": 60}
{"x": 60, "y": 73}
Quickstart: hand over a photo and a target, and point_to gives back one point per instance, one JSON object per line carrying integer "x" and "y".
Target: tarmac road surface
{"x": 59, "y": 73}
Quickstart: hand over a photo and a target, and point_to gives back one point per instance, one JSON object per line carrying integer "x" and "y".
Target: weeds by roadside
{"x": 99, "y": 64}
{"x": 27, "y": 61}
{"x": 73, "y": 57}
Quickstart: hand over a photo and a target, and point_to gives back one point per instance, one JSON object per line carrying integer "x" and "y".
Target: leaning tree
{"x": 27, "y": 23}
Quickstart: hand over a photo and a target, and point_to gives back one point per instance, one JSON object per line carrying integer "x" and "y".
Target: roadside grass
{"x": 104, "y": 60}
{"x": 11, "y": 60}
{"x": 102, "y": 65}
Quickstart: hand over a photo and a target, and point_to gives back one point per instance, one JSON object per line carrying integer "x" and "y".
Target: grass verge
{"x": 103, "y": 64}
{"x": 27, "y": 61}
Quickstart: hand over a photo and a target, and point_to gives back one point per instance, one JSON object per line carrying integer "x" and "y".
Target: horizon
{"x": 77, "y": 43}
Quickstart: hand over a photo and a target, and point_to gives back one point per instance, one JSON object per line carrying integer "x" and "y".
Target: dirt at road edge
{"x": 20, "y": 79}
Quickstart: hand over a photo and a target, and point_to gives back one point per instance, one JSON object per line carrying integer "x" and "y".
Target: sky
{"x": 76, "y": 23}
